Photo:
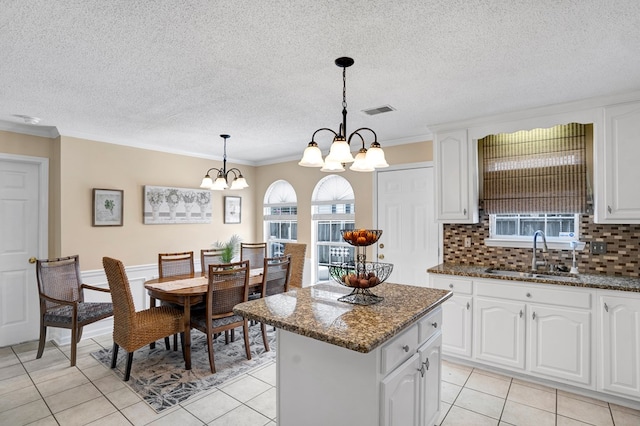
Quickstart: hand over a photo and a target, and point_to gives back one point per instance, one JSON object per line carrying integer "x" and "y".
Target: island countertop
{"x": 315, "y": 312}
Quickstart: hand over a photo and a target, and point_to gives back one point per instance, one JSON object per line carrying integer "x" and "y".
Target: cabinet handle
{"x": 528, "y": 294}
{"x": 405, "y": 348}
{"x": 450, "y": 285}
{"x": 434, "y": 324}
{"x": 426, "y": 364}
{"x": 534, "y": 315}
{"x": 468, "y": 306}
{"x": 606, "y": 307}
{"x": 520, "y": 313}
{"x": 421, "y": 370}
{"x": 609, "y": 209}
{"x": 464, "y": 212}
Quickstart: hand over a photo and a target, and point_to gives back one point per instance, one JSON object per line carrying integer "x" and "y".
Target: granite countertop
{"x": 608, "y": 282}
{"x": 315, "y": 312}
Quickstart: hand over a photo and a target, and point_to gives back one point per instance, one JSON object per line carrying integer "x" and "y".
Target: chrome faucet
{"x": 534, "y": 261}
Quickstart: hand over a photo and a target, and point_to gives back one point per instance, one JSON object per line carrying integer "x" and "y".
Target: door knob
{"x": 32, "y": 260}
{"x": 381, "y": 256}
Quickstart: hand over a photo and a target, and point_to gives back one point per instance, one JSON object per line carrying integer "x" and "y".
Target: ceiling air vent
{"x": 379, "y": 110}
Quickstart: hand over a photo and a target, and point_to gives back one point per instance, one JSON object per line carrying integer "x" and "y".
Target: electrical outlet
{"x": 467, "y": 242}
{"x": 598, "y": 247}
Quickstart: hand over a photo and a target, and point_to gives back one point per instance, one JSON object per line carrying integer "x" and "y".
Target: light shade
{"x": 361, "y": 164}
{"x": 219, "y": 184}
{"x": 207, "y": 182}
{"x": 375, "y": 156}
{"x": 239, "y": 183}
{"x": 332, "y": 166}
{"x": 340, "y": 151}
{"x": 312, "y": 156}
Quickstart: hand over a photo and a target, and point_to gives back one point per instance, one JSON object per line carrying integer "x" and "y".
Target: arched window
{"x": 333, "y": 209}
{"x": 280, "y": 216}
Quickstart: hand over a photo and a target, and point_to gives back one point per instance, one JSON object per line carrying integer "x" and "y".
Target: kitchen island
{"x": 344, "y": 364}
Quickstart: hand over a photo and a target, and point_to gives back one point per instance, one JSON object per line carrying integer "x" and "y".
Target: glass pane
{"x": 274, "y": 230}
{"x": 284, "y": 230}
{"x": 528, "y": 226}
{"x": 324, "y": 231}
{"x": 294, "y": 230}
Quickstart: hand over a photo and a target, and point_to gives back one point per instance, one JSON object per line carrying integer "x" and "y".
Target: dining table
{"x": 188, "y": 290}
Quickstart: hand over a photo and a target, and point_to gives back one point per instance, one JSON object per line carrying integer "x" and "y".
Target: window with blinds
{"x": 538, "y": 171}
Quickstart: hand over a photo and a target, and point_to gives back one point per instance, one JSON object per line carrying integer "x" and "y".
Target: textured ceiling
{"x": 173, "y": 75}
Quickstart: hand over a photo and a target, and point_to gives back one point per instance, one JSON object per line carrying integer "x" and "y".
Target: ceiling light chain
{"x": 221, "y": 182}
{"x": 340, "y": 152}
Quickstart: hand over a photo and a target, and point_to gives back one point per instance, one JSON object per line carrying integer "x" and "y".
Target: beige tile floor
{"x": 49, "y": 392}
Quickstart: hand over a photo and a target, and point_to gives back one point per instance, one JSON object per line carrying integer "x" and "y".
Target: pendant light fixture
{"x": 340, "y": 152}
{"x": 222, "y": 182}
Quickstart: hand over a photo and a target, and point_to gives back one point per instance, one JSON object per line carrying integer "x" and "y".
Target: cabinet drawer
{"x": 574, "y": 297}
{"x": 399, "y": 349}
{"x": 429, "y": 325}
{"x": 457, "y": 285}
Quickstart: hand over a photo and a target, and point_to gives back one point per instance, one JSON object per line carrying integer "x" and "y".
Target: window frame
{"x": 526, "y": 241}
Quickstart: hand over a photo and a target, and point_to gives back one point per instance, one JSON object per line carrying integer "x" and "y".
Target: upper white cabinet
{"x": 617, "y": 170}
{"x": 456, "y": 177}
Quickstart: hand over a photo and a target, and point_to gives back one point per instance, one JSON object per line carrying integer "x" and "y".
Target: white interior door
{"x": 22, "y": 201}
{"x": 405, "y": 213}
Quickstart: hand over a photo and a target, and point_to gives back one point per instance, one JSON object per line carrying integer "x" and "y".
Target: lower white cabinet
{"x": 499, "y": 328}
{"x": 456, "y": 314}
{"x": 619, "y": 333}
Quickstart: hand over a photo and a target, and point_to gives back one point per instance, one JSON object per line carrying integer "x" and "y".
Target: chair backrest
{"x": 275, "y": 275}
{"x": 228, "y": 286}
{"x": 172, "y": 264}
{"x": 254, "y": 253}
{"x": 59, "y": 279}
{"x": 209, "y": 257}
{"x": 297, "y": 252}
{"x": 123, "y": 308}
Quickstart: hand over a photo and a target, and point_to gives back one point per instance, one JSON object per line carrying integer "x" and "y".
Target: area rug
{"x": 159, "y": 376}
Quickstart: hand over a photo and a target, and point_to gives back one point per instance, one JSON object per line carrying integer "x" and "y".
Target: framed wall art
{"x": 168, "y": 205}
{"x": 108, "y": 207}
{"x": 232, "y": 209}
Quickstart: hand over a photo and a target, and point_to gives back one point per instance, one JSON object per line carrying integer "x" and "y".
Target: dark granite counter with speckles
{"x": 608, "y": 282}
{"x": 315, "y": 312}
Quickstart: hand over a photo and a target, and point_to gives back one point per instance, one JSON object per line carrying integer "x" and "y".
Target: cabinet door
{"x": 430, "y": 355}
{"x": 400, "y": 394}
{"x": 455, "y": 178}
{"x": 499, "y": 328}
{"x": 618, "y": 200}
{"x": 560, "y": 343}
{"x": 619, "y": 330}
{"x": 456, "y": 325}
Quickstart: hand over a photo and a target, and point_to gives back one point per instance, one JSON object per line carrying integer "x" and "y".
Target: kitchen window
{"x": 280, "y": 217}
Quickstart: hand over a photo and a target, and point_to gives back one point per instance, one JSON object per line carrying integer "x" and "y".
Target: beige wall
{"x": 77, "y": 166}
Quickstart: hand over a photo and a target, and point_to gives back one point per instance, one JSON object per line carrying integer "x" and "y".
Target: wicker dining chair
{"x": 170, "y": 265}
{"x": 276, "y": 274}
{"x": 209, "y": 257}
{"x": 297, "y": 252}
{"x": 62, "y": 302}
{"x": 228, "y": 287}
{"x": 254, "y": 253}
{"x": 133, "y": 330}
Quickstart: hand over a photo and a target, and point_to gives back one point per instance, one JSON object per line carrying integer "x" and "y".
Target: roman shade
{"x": 535, "y": 171}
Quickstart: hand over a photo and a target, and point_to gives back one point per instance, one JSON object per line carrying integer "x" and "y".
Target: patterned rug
{"x": 159, "y": 377}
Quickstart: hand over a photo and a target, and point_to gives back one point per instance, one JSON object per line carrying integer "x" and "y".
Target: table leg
{"x": 187, "y": 333}
{"x": 152, "y": 304}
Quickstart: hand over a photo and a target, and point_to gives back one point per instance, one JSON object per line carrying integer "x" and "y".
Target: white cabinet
{"x": 541, "y": 329}
{"x": 430, "y": 356}
{"x": 617, "y": 170}
{"x": 500, "y": 332}
{"x": 456, "y": 178}
{"x": 456, "y": 314}
{"x": 619, "y": 333}
{"x": 560, "y": 343}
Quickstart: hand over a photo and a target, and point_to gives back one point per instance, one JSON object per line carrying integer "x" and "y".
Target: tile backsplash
{"x": 622, "y": 257}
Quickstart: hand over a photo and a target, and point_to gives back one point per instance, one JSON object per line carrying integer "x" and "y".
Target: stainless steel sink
{"x": 518, "y": 274}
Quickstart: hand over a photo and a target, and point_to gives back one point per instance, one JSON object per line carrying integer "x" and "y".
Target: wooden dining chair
{"x": 171, "y": 265}
{"x": 62, "y": 302}
{"x": 276, "y": 274}
{"x": 228, "y": 287}
{"x": 209, "y": 257}
{"x": 254, "y": 253}
{"x": 297, "y": 252}
{"x": 133, "y": 330}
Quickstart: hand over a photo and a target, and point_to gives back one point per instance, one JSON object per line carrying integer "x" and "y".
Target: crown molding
{"x": 30, "y": 129}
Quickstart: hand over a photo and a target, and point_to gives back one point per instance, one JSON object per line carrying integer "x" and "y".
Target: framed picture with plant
{"x": 108, "y": 207}
{"x": 232, "y": 209}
